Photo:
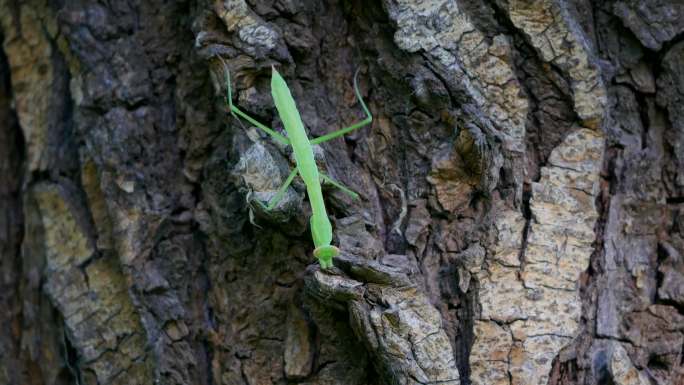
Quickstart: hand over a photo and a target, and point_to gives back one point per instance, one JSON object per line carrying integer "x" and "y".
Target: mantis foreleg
{"x": 275, "y": 135}
{"x": 234, "y": 110}
{"x": 340, "y": 132}
{"x": 339, "y": 185}
{"x": 281, "y": 191}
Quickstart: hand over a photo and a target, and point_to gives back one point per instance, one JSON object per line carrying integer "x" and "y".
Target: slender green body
{"x": 321, "y": 229}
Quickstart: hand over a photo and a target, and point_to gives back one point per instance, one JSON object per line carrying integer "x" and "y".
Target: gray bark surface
{"x": 520, "y": 219}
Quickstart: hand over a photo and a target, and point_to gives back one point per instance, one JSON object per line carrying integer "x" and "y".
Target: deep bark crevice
{"x": 11, "y": 228}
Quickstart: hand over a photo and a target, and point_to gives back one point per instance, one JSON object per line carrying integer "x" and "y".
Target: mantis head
{"x": 325, "y": 255}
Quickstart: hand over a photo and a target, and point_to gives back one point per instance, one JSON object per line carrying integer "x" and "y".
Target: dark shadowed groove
{"x": 466, "y": 331}
{"x": 531, "y": 56}
{"x": 11, "y": 226}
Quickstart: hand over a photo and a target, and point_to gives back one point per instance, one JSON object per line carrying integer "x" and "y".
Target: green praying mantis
{"x": 321, "y": 229}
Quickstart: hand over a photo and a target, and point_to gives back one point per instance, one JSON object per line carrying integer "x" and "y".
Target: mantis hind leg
{"x": 237, "y": 112}
{"x": 343, "y": 131}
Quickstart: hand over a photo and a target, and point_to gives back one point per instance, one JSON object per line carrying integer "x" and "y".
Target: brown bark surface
{"x": 520, "y": 219}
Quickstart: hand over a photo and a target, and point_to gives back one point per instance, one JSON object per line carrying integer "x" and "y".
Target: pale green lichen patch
{"x": 483, "y": 67}
{"x": 559, "y": 40}
{"x": 533, "y": 292}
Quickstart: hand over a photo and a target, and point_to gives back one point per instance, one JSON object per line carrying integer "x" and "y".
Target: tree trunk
{"x": 521, "y": 193}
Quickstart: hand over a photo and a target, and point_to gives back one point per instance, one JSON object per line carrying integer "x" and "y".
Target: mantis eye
{"x": 325, "y": 255}
{"x": 326, "y": 252}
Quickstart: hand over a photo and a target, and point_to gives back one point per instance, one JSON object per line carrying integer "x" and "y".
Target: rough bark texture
{"x": 522, "y": 193}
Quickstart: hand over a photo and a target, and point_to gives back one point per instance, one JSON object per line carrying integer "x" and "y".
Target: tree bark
{"x": 521, "y": 193}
